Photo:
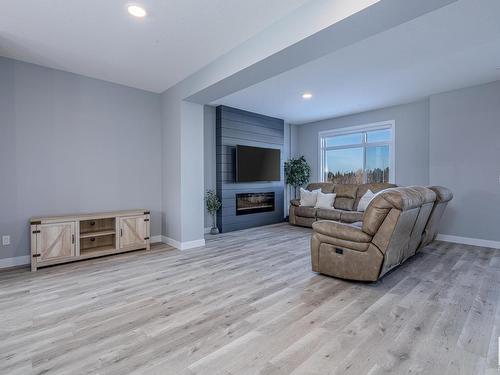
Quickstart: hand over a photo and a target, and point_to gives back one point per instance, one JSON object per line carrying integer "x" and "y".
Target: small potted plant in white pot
{"x": 213, "y": 204}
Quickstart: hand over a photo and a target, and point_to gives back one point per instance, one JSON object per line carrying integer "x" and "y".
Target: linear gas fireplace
{"x": 251, "y": 203}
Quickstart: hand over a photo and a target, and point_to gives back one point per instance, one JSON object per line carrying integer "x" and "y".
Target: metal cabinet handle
{"x": 72, "y": 238}
{"x": 121, "y": 232}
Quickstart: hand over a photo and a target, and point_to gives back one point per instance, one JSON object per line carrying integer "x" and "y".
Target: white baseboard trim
{"x": 16, "y": 261}
{"x": 183, "y": 245}
{"x": 23, "y": 260}
{"x": 156, "y": 239}
{"x": 469, "y": 241}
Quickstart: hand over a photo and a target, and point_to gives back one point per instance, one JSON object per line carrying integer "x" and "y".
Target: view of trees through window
{"x": 356, "y": 158}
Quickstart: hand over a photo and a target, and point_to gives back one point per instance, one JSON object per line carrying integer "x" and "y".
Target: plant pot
{"x": 214, "y": 230}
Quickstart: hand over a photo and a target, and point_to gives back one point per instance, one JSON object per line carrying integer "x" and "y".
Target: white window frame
{"x": 390, "y": 124}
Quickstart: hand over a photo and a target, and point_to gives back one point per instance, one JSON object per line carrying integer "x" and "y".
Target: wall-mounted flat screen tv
{"x": 257, "y": 164}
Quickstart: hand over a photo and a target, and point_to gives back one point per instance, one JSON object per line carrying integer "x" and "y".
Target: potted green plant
{"x": 297, "y": 172}
{"x": 213, "y": 205}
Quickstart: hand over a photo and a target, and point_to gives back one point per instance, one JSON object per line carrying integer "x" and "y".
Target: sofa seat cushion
{"x": 306, "y": 211}
{"x": 337, "y": 242}
{"x": 358, "y": 224}
{"x": 341, "y": 231}
{"x": 304, "y": 221}
{"x": 351, "y": 216}
{"x": 328, "y": 214}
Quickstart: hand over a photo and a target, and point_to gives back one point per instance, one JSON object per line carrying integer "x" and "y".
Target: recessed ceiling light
{"x": 307, "y": 95}
{"x": 137, "y": 11}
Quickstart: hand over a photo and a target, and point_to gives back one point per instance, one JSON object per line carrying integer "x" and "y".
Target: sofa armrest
{"x": 295, "y": 202}
{"x": 341, "y": 231}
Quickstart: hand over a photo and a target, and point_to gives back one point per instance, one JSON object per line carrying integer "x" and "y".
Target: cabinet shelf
{"x": 97, "y": 250}
{"x": 97, "y": 234}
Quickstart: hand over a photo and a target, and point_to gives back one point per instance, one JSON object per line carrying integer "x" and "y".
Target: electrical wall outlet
{"x": 5, "y": 240}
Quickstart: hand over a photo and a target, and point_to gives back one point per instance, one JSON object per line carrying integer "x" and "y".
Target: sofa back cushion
{"x": 428, "y": 198}
{"x": 375, "y": 187}
{"x": 392, "y": 217}
{"x": 326, "y": 187}
{"x": 401, "y": 199}
{"x": 443, "y": 196}
{"x": 346, "y": 196}
{"x": 393, "y": 237}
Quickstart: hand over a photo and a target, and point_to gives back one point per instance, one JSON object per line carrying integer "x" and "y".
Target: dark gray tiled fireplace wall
{"x": 237, "y": 127}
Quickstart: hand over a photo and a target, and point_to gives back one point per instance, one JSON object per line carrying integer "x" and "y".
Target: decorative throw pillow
{"x": 325, "y": 200}
{"x": 308, "y": 198}
{"x": 365, "y": 200}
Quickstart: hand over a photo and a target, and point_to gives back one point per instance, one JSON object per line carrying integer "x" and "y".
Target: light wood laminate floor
{"x": 248, "y": 303}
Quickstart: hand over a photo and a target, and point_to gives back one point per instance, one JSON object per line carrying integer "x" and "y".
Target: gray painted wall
{"x": 209, "y": 151}
{"x": 182, "y": 169}
{"x": 192, "y": 179}
{"x": 465, "y": 156}
{"x": 70, "y": 144}
{"x": 171, "y": 167}
{"x": 287, "y": 149}
{"x": 412, "y": 139}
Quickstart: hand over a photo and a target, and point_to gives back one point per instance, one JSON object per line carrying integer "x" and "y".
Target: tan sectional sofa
{"x": 396, "y": 224}
{"x": 345, "y": 205}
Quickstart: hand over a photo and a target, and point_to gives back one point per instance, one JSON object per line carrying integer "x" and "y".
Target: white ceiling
{"x": 100, "y": 39}
{"x": 453, "y": 47}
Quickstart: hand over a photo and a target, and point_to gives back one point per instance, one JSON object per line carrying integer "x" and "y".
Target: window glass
{"x": 379, "y": 135}
{"x": 356, "y": 158}
{"x": 344, "y": 140}
{"x": 344, "y": 166}
{"x": 377, "y": 164}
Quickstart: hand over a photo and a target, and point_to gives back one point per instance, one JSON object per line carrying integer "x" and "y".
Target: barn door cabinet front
{"x": 134, "y": 232}
{"x": 53, "y": 243}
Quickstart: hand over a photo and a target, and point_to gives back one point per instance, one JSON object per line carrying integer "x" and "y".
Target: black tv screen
{"x": 257, "y": 164}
